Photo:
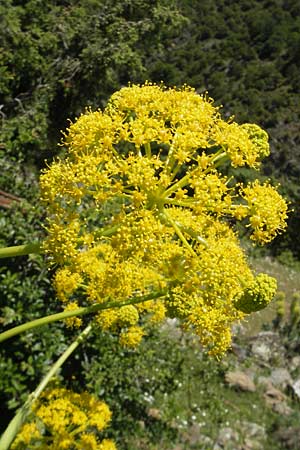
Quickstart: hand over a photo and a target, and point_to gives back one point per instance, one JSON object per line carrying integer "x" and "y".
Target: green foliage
{"x": 129, "y": 381}
{"x": 289, "y": 325}
{"x": 58, "y": 58}
{"x": 287, "y": 258}
{"x": 165, "y": 391}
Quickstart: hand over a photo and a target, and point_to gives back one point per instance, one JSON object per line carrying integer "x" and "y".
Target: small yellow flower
{"x": 107, "y": 319}
{"x": 88, "y": 441}
{"x": 107, "y": 444}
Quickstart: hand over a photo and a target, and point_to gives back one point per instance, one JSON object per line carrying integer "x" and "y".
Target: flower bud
{"x": 258, "y": 295}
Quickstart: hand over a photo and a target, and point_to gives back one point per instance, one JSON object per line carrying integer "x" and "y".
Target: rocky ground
{"x": 261, "y": 367}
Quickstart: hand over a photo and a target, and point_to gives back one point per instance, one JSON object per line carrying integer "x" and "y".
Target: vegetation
{"x": 58, "y": 57}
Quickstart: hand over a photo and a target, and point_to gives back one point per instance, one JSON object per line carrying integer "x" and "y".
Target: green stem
{"x": 20, "y": 250}
{"x": 195, "y": 236}
{"x": 44, "y": 320}
{"x": 179, "y": 184}
{"x": 18, "y": 420}
{"x": 147, "y": 147}
{"x": 184, "y": 181}
{"x": 178, "y": 232}
{"x": 218, "y": 158}
{"x": 102, "y": 232}
{"x": 170, "y": 160}
{"x": 186, "y": 203}
{"x": 77, "y": 312}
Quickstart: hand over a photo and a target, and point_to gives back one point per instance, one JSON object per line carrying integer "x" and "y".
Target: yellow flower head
{"x": 131, "y": 337}
{"x": 65, "y": 419}
{"x": 267, "y": 211}
{"x": 128, "y": 315}
{"x": 65, "y": 283}
{"x": 138, "y": 212}
{"x": 245, "y": 144}
{"x": 107, "y": 444}
{"x": 257, "y": 295}
{"x": 29, "y": 433}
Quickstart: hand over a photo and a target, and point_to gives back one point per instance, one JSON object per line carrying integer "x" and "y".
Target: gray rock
{"x": 264, "y": 381}
{"x": 270, "y": 336}
{"x": 267, "y": 347}
{"x": 206, "y": 442}
{"x": 289, "y": 437}
{"x": 227, "y": 438}
{"x": 273, "y": 394}
{"x": 295, "y": 363}
{"x": 282, "y": 408}
{"x": 254, "y": 435}
{"x": 252, "y": 429}
{"x": 277, "y": 400}
{"x": 239, "y": 351}
{"x": 240, "y": 380}
{"x": 296, "y": 388}
{"x": 261, "y": 350}
{"x": 244, "y": 436}
{"x": 193, "y": 436}
{"x": 281, "y": 377}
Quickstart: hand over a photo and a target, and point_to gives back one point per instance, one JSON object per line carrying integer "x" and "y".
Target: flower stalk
{"x": 20, "y": 250}
{"x": 77, "y": 312}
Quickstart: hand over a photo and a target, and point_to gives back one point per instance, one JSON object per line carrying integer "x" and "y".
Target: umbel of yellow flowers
{"x": 139, "y": 205}
{"x": 63, "y": 419}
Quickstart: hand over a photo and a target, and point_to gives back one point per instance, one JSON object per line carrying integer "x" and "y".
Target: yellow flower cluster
{"x": 139, "y": 207}
{"x": 257, "y": 295}
{"x": 245, "y": 144}
{"x": 267, "y": 211}
{"x": 66, "y": 420}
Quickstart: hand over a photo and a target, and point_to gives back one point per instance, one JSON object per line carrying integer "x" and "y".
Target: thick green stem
{"x": 20, "y": 250}
{"x": 43, "y": 321}
{"x": 77, "y": 312}
{"x": 16, "y": 423}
